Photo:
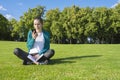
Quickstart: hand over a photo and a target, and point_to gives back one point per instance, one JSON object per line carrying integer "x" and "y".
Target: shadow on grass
{"x": 71, "y": 59}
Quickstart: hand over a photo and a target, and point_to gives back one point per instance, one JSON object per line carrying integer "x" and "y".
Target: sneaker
{"x": 44, "y": 62}
{"x": 26, "y": 63}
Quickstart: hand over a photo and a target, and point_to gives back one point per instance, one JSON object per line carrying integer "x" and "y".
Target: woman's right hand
{"x": 34, "y": 34}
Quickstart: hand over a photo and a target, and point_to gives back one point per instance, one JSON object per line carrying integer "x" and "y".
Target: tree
{"x": 4, "y": 28}
{"x": 14, "y": 29}
{"x": 114, "y": 28}
{"x": 28, "y": 17}
{"x": 101, "y": 18}
{"x": 21, "y": 28}
{"x": 83, "y": 21}
{"x": 69, "y": 19}
{"x": 54, "y": 25}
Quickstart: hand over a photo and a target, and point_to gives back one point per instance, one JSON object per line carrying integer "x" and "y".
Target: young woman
{"x": 38, "y": 44}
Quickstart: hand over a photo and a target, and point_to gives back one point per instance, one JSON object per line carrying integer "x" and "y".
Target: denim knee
{"x": 52, "y": 51}
{"x": 16, "y": 51}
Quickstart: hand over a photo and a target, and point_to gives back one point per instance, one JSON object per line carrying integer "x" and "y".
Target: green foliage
{"x": 4, "y": 28}
{"x": 83, "y": 62}
{"x": 71, "y": 25}
{"x": 20, "y": 28}
{"x": 28, "y": 17}
{"x": 55, "y": 25}
{"x": 15, "y": 27}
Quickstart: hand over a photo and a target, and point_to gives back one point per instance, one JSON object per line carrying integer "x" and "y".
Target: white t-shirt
{"x": 38, "y": 44}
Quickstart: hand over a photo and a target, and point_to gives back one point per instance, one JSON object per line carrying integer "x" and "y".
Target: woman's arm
{"x": 30, "y": 40}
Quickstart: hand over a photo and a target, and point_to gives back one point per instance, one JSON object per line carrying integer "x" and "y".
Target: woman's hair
{"x": 40, "y": 19}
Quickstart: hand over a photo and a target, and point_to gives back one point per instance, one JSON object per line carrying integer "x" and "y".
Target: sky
{"x": 16, "y": 8}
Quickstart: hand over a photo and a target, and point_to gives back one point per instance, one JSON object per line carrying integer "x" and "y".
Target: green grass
{"x": 71, "y": 62}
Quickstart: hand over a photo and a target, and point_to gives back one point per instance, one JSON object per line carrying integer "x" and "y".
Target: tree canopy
{"x": 72, "y": 25}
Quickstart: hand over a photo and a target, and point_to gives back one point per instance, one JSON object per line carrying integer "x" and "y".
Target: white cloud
{"x": 8, "y": 16}
{"x": 2, "y": 8}
{"x": 115, "y": 4}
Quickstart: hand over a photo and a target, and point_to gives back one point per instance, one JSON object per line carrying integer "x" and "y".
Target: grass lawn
{"x": 71, "y": 62}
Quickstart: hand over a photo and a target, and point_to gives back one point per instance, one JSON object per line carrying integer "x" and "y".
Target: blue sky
{"x": 16, "y": 8}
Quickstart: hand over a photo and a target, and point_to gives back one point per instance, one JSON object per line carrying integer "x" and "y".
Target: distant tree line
{"x": 72, "y": 25}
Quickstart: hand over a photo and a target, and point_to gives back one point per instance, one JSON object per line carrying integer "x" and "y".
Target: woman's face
{"x": 37, "y": 24}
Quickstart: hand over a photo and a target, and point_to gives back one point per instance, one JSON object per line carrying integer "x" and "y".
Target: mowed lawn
{"x": 71, "y": 62}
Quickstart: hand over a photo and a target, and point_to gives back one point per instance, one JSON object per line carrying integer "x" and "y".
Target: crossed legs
{"x": 23, "y": 55}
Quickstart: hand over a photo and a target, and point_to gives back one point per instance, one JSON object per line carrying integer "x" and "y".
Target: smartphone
{"x": 33, "y": 30}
